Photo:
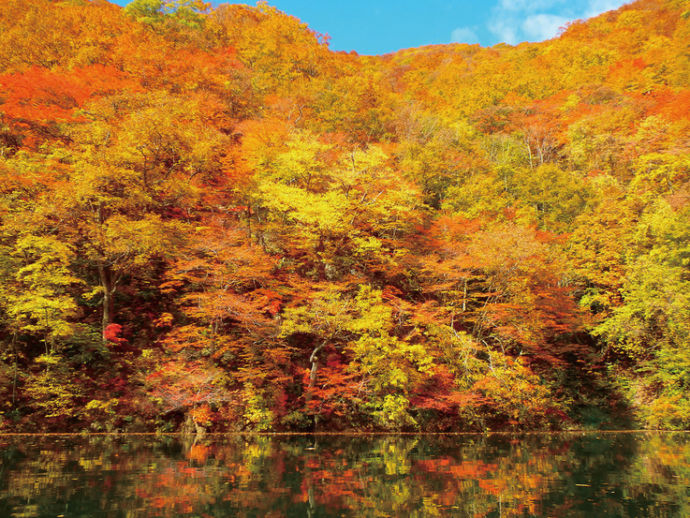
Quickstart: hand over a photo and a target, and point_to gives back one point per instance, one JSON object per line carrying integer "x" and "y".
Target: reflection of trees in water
{"x": 564, "y": 475}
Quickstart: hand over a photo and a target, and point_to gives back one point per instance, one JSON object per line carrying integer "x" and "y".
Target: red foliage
{"x": 112, "y": 334}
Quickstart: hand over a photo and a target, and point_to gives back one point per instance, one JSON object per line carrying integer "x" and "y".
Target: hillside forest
{"x": 209, "y": 221}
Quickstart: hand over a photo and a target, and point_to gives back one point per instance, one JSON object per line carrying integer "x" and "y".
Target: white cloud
{"x": 596, "y": 7}
{"x": 506, "y": 29}
{"x": 539, "y": 27}
{"x": 463, "y": 35}
{"x": 513, "y": 21}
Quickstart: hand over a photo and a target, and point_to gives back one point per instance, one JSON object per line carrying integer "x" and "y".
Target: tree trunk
{"x": 312, "y": 374}
{"x": 200, "y": 431}
{"x": 106, "y": 278}
{"x": 248, "y": 213}
{"x": 464, "y": 296}
{"x": 14, "y": 378}
{"x": 314, "y": 360}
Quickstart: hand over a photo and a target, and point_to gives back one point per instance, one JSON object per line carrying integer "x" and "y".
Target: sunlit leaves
{"x": 318, "y": 201}
{"x": 43, "y": 304}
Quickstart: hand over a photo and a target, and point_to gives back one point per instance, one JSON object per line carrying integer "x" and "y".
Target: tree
{"x": 326, "y": 210}
{"x": 153, "y": 12}
{"x": 325, "y": 320}
{"x": 41, "y": 302}
{"x": 127, "y": 179}
{"x": 362, "y": 328}
{"x": 650, "y": 323}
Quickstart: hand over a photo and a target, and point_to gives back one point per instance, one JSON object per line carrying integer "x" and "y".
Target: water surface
{"x": 568, "y": 475}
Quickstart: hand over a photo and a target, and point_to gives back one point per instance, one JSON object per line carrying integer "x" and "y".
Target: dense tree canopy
{"x": 209, "y": 220}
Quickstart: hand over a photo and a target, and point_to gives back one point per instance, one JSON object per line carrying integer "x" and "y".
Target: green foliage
{"x": 651, "y": 324}
{"x": 188, "y": 13}
{"x": 145, "y": 11}
{"x": 325, "y": 210}
{"x": 257, "y": 415}
{"x": 44, "y": 305}
{"x": 656, "y": 304}
{"x": 55, "y": 391}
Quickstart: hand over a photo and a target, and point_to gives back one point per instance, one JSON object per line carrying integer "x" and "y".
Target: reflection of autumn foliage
{"x": 579, "y": 474}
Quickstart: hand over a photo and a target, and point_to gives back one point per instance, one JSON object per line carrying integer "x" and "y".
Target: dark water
{"x": 571, "y": 475}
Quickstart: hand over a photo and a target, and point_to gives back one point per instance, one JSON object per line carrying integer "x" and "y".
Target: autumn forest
{"x": 211, "y": 222}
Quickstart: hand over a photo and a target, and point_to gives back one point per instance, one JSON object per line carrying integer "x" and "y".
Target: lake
{"x": 569, "y": 475}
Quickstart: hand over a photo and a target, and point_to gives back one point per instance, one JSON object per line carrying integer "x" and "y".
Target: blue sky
{"x": 381, "y": 26}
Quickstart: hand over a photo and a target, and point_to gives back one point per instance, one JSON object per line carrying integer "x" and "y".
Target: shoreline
{"x": 337, "y": 434}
